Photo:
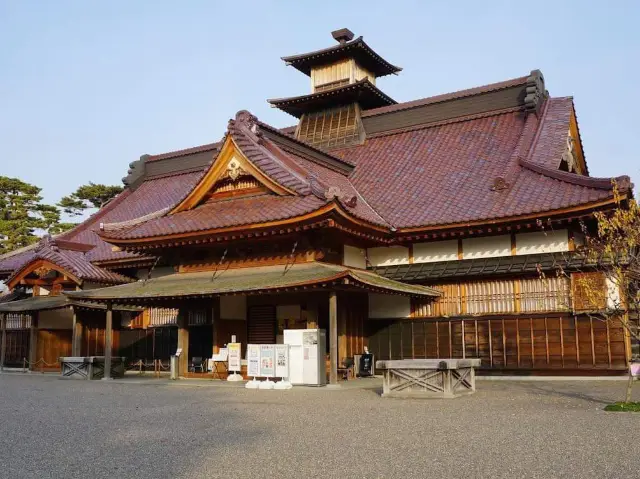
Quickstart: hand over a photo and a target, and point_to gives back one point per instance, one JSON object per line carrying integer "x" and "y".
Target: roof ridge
{"x": 184, "y": 151}
{"x": 443, "y": 97}
{"x": 96, "y": 216}
{"x": 306, "y": 145}
{"x": 623, "y": 182}
{"x": 449, "y": 121}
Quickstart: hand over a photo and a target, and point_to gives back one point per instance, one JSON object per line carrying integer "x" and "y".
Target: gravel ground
{"x": 50, "y": 428}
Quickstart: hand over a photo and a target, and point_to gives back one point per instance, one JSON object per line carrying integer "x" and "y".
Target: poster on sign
{"x": 267, "y": 356}
{"x": 253, "y": 360}
{"x": 282, "y": 361}
{"x": 235, "y": 355}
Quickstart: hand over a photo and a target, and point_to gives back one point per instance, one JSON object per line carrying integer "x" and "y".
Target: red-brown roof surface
{"x": 432, "y": 175}
{"x": 74, "y": 262}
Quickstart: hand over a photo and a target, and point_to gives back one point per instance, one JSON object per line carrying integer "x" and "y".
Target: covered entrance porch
{"x": 257, "y": 304}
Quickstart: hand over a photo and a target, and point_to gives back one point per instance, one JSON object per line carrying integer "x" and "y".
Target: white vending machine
{"x": 307, "y": 351}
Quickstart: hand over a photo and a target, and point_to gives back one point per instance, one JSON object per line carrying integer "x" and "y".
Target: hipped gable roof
{"x": 70, "y": 258}
{"x": 310, "y": 183}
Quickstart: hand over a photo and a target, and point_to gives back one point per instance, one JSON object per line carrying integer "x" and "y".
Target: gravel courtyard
{"x": 50, "y": 428}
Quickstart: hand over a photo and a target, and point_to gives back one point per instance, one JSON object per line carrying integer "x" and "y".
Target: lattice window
{"x": 163, "y": 316}
{"x": 197, "y": 317}
{"x": 531, "y": 295}
{"x": 331, "y": 128}
{"x": 18, "y": 321}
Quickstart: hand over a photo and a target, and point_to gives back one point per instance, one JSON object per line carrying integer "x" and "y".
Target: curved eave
{"x": 558, "y": 214}
{"x": 330, "y": 212}
{"x": 357, "y": 49}
{"x": 363, "y": 92}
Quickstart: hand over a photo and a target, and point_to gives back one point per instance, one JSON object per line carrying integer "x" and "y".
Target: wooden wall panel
{"x": 513, "y": 343}
{"x": 17, "y": 347}
{"x": 53, "y": 344}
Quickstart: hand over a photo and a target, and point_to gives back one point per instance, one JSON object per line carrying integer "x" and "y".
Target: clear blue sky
{"x": 87, "y": 87}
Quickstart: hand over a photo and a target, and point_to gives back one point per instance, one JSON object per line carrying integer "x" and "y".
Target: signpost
{"x": 235, "y": 365}
{"x": 282, "y": 366}
{"x": 253, "y": 365}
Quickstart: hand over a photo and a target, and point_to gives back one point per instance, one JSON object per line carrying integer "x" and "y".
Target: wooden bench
{"x": 428, "y": 378}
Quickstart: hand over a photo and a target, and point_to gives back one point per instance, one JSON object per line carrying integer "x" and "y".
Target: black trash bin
{"x": 366, "y": 365}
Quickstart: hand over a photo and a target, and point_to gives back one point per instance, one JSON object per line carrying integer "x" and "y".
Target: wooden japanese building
{"x": 425, "y": 229}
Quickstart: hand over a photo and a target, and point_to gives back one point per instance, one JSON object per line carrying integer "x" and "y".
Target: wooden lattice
{"x": 533, "y": 295}
{"x": 331, "y": 128}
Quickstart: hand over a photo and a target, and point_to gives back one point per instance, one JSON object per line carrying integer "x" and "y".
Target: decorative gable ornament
{"x": 499, "y": 184}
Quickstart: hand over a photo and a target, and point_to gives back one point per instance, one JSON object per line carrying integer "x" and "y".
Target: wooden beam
{"x": 183, "y": 343}
{"x": 333, "y": 338}
{"x": 3, "y": 345}
{"x": 76, "y": 342}
{"x": 33, "y": 339}
{"x": 108, "y": 341}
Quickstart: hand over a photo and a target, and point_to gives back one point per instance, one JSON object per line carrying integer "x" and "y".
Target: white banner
{"x": 253, "y": 360}
{"x": 267, "y": 359}
{"x": 282, "y": 361}
{"x": 235, "y": 355}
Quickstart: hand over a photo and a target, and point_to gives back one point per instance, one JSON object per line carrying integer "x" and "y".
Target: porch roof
{"x": 43, "y": 303}
{"x": 35, "y": 303}
{"x": 264, "y": 279}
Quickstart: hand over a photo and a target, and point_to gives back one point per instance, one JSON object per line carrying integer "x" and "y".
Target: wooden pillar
{"x": 33, "y": 339}
{"x": 76, "y": 343}
{"x": 333, "y": 338}
{"x": 342, "y": 332}
{"x": 183, "y": 342}
{"x": 108, "y": 341}
{"x": 3, "y": 346}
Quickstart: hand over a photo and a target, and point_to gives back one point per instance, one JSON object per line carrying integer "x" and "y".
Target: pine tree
{"x": 88, "y": 196}
{"x": 22, "y": 214}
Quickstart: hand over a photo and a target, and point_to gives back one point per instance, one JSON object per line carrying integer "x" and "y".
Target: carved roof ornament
{"x": 234, "y": 170}
{"x": 499, "y": 184}
{"x": 42, "y": 271}
{"x": 535, "y": 92}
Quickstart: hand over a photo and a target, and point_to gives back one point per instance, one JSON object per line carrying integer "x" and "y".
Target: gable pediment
{"x": 231, "y": 174}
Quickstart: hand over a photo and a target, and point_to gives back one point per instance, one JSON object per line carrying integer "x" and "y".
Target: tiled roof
{"x": 446, "y": 174}
{"x": 363, "y": 91}
{"x": 447, "y": 96}
{"x": 75, "y": 262}
{"x": 314, "y": 185}
{"x": 429, "y": 176}
{"x": 551, "y": 139}
{"x": 247, "y": 280}
{"x": 357, "y": 49}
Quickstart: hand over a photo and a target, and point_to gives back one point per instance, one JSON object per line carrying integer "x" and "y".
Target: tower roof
{"x": 356, "y": 49}
{"x": 363, "y": 92}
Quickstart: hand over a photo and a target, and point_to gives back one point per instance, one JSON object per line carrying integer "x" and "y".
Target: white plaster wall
{"x": 388, "y": 255}
{"x": 486, "y": 247}
{"x": 55, "y": 319}
{"x": 436, "y": 251}
{"x": 354, "y": 257}
{"x": 614, "y": 301}
{"x": 542, "y": 242}
{"x": 388, "y": 306}
{"x": 233, "y": 307}
{"x": 43, "y": 291}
